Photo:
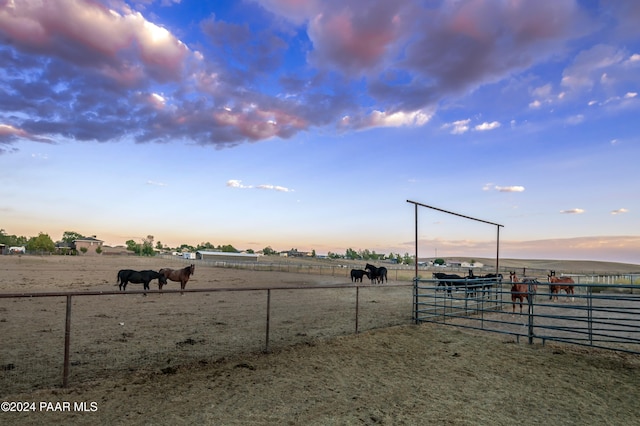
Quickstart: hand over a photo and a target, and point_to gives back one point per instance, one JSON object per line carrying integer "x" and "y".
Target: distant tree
{"x": 185, "y": 247}
{"x": 133, "y": 246}
{"x": 364, "y": 254}
{"x": 313, "y": 253}
{"x": 351, "y": 254}
{"x": 70, "y": 236}
{"x": 147, "y": 246}
{"x": 159, "y": 246}
{"x": 42, "y": 242}
{"x": 83, "y": 250}
{"x": 12, "y": 240}
{"x": 205, "y": 246}
{"x": 408, "y": 259}
{"x": 439, "y": 261}
{"x": 331, "y": 255}
{"x": 98, "y": 249}
{"x": 228, "y": 248}
{"x": 268, "y": 251}
{"x": 250, "y": 251}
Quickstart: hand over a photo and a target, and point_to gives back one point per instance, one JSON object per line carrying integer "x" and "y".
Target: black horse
{"x": 448, "y": 280}
{"x": 126, "y": 276}
{"x": 377, "y": 274}
{"x": 357, "y": 274}
{"x": 484, "y": 282}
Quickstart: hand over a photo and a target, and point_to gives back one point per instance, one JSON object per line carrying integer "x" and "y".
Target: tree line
{"x": 147, "y": 247}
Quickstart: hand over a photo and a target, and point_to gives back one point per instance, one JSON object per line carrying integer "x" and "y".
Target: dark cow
{"x": 126, "y": 276}
{"x": 377, "y": 274}
{"x": 357, "y": 274}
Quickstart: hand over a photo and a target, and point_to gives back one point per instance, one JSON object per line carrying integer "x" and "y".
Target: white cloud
{"x": 572, "y": 211}
{"x": 487, "y": 126}
{"x": 233, "y": 183}
{"x": 619, "y": 211}
{"x": 154, "y": 183}
{"x": 458, "y": 127}
{"x": 275, "y": 188}
{"x": 630, "y": 95}
{"x": 512, "y": 188}
{"x": 535, "y": 104}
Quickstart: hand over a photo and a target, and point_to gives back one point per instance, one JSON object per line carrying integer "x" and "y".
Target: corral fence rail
{"x": 596, "y": 315}
{"x": 399, "y": 272}
{"x": 233, "y": 320}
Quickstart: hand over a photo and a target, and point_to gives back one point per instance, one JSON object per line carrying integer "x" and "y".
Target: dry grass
{"x": 396, "y": 375}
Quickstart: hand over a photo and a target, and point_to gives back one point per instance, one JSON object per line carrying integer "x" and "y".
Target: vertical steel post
{"x": 67, "y": 343}
{"x": 357, "y": 305}
{"x": 530, "y": 302}
{"x": 498, "y": 250}
{"x": 415, "y": 278}
{"x": 266, "y": 348}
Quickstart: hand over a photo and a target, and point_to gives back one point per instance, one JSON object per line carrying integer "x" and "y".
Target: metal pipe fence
{"x": 605, "y": 317}
{"x": 52, "y": 339}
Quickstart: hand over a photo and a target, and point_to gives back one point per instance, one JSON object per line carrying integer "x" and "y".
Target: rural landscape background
{"x": 131, "y": 130}
{"x": 172, "y": 359}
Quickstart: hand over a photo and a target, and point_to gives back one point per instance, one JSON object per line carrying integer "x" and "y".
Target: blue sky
{"x": 309, "y": 124}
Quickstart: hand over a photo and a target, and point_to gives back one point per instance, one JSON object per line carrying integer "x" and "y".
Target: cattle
{"x": 126, "y": 276}
{"x": 357, "y": 274}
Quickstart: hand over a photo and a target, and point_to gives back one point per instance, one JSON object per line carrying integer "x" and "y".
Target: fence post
{"x": 590, "y": 313}
{"x": 67, "y": 342}
{"x": 415, "y": 300}
{"x": 266, "y": 348}
{"x": 530, "y": 295}
{"x": 357, "y": 304}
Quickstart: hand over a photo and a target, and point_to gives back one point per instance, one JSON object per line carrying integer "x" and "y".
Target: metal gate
{"x": 606, "y": 317}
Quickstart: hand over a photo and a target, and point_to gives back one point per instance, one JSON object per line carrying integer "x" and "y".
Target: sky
{"x": 310, "y": 124}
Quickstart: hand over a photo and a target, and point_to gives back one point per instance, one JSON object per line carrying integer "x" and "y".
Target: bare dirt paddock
{"x": 161, "y": 367}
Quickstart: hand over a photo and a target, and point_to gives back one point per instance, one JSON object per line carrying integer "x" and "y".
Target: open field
{"x": 392, "y": 375}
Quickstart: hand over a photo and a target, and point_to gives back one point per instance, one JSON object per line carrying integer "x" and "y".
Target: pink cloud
{"x": 355, "y": 38}
{"x": 99, "y": 37}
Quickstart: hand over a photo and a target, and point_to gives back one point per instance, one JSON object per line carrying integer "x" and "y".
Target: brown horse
{"x": 180, "y": 275}
{"x": 556, "y": 284}
{"x": 520, "y": 291}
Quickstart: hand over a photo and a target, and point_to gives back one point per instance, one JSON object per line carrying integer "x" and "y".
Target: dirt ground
{"x": 389, "y": 375}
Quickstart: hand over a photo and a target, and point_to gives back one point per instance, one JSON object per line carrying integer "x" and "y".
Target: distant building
{"x": 226, "y": 256}
{"x": 117, "y": 251}
{"x": 91, "y": 244}
{"x": 471, "y": 265}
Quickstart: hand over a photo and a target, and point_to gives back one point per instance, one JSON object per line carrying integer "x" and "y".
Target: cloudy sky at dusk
{"x": 309, "y": 124}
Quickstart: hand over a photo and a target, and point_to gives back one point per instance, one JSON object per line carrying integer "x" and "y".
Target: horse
{"x": 126, "y": 276}
{"x": 357, "y": 274}
{"x": 447, "y": 280}
{"x": 520, "y": 291}
{"x": 556, "y": 284}
{"x": 179, "y": 275}
{"x": 486, "y": 282}
{"x": 377, "y": 274}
